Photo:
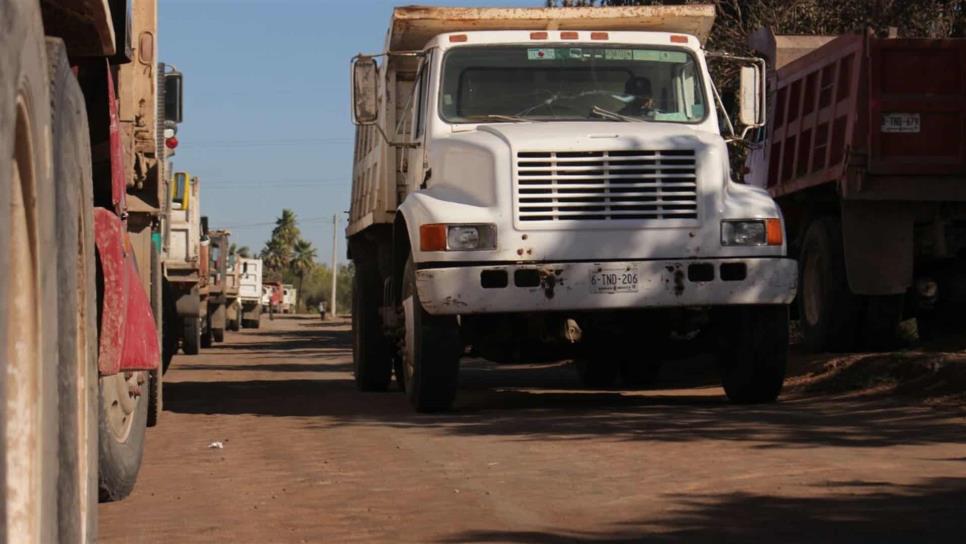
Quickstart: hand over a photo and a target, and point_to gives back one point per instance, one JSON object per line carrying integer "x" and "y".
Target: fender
{"x": 128, "y": 338}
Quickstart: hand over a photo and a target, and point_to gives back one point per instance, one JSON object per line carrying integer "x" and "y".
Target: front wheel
{"x": 123, "y": 416}
{"x": 431, "y": 351}
{"x": 753, "y": 352}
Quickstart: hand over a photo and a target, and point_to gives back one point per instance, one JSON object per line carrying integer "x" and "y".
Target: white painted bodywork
{"x": 249, "y": 279}
{"x": 473, "y": 179}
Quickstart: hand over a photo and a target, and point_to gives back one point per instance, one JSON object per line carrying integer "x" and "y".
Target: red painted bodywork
{"x": 826, "y": 126}
{"x": 128, "y": 337}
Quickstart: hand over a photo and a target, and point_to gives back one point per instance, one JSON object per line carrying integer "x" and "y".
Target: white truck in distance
{"x": 546, "y": 183}
{"x": 250, "y": 291}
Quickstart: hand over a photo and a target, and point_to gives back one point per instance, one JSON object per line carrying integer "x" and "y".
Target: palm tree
{"x": 276, "y": 255}
{"x": 242, "y": 252}
{"x": 286, "y": 229}
{"x": 303, "y": 261}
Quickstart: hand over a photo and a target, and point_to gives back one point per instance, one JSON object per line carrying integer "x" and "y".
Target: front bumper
{"x": 567, "y": 286}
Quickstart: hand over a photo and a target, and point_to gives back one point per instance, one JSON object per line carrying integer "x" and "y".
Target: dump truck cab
{"x": 567, "y": 168}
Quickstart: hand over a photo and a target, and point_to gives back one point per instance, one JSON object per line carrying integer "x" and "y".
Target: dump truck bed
{"x": 413, "y": 26}
{"x": 885, "y": 118}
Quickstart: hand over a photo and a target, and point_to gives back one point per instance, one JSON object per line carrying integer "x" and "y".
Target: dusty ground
{"x": 528, "y": 457}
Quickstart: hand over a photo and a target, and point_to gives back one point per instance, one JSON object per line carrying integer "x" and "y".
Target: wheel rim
{"x": 120, "y": 395}
{"x": 22, "y": 353}
{"x": 813, "y": 287}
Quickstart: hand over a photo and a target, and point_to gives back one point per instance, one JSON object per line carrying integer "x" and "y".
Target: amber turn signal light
{"x": 432, "y": 237}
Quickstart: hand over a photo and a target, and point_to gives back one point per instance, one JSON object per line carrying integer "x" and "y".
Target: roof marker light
{"x": 677, "y": 38}
{"x": 538, "y": 35}
{"x": 569, "y": 36}
{"x": 599, "y": 36}
{"x": 457, "y": 38}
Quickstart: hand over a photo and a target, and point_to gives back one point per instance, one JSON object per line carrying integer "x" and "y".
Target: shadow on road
{"x": 534, "y": 402}
{"x": 926, "y": 512}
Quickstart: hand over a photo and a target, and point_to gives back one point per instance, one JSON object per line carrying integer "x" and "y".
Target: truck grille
{"x": 606, "y": 185}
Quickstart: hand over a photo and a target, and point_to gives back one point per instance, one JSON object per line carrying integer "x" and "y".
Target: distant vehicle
{"x": 272, "y": 297}
{"x": 222, "y": 284}
{"x": 555, "y": 179}
{"x": 250, "y": 291}
{"x": 288, "y": 298}
{"x": 185, "y": 268}
{"x": 864, "y": 151}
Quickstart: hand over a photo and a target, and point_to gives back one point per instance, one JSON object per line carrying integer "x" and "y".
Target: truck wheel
{"x": 172, "y": 324}
{"x": 218, "y": 335}
{"x": 28, "y": 291}
{"x": 431, "y": 351}
{"x": 827, "y": 308}
{"x": 206, "y": 334}
{"x": 754, "y": 352}
{"x": 77, "y": 300}
{"x": 371, "y": 351}
{"x": 191, "y": 339}
{"x": 123, "y": 419}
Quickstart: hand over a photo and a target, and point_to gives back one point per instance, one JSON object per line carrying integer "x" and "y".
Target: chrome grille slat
{"x": 606, "y": 185}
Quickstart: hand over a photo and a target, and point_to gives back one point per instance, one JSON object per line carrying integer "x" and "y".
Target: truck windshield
{"x": 614, "y": 83}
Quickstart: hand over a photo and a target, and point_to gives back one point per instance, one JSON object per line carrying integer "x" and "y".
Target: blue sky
{"x": 266, "y": 119}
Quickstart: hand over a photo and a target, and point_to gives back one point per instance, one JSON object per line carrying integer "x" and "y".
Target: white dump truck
{"x": 555, "y": 182}
{"x": 250, "y": 291}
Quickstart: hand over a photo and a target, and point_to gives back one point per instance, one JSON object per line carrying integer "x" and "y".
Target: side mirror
{"x": 173, "y": 89}
{"x": 365, "y": 90}
{"x": 180, "y": 192}
{"x": 751, "y": 97}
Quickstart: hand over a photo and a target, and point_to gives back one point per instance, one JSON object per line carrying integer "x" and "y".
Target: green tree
{"x": 278, "y": 251}
{"x": 242, "y": 252}
{"x": 303, "y": 261}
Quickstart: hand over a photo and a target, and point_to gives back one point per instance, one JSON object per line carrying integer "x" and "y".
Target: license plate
{"x": 900, "y": 122}
{"x": 622, "y": 279}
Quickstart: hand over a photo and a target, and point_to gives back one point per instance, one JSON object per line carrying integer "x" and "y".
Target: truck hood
{"x": 588, "y": 135}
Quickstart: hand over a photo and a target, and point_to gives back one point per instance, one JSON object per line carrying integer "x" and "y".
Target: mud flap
{"x": 878, "y": 247}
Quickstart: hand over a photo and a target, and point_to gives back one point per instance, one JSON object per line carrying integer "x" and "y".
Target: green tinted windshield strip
{"x": 597, "y": 57}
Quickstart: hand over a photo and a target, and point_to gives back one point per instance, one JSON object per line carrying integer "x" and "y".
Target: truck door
{"x": 417, "y": 158}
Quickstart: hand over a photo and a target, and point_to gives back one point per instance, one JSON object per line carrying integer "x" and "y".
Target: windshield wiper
{"x": 613, "y": 116}
{"x": 515, "y": 118}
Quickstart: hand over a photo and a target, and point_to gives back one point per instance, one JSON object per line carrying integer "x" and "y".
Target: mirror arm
{"x": 763, "y": 107}
{"x": 404, "y": 145}
{"x": 717, "y": 99}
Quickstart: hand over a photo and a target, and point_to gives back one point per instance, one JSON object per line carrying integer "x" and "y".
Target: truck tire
{"x": 28, "y": 292}
{"x": 754, "y": 352}
{"x": 191, "y": 339}
{"x": 77, "y": 301}
{"x": 431, "y": 351}
{"x": 173, "y": 326}
{"x": 371, "y": 350}
{"x": 121, "y": 426}
{"x": 206, "y": 332}
{"x": 827, "y": 308}
{"x": 218, "y": 335}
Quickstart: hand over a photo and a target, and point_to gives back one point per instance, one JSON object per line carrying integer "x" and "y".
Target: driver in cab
{"x": 641, "y": 102}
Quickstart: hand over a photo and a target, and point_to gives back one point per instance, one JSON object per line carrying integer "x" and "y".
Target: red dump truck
{"x": 81, "y": 192}
{"x": 864, "y": 153}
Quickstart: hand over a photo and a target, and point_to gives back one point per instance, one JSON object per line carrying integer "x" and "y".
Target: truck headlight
{"x": 752, "y": 232}
{"x": 440, "y": 237}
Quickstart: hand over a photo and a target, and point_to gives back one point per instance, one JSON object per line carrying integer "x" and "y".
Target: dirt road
{"x": 526, "y": 457}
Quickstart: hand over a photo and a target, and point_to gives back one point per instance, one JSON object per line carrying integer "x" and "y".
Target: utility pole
{"x": 335, "y": 270}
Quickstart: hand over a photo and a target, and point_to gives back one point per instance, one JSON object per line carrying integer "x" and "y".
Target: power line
{"x": 238, "y": 144}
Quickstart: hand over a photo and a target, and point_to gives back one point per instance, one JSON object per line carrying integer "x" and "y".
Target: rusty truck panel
{"x": 883, "y": 119}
